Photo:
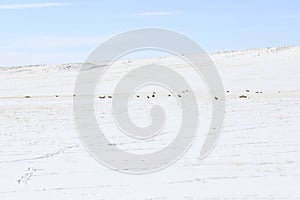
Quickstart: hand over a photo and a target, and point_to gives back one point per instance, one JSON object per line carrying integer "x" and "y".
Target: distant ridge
{"x": 251, "y": 51}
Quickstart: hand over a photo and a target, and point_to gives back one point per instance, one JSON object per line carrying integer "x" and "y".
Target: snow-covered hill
{"x": 258, "y": 155}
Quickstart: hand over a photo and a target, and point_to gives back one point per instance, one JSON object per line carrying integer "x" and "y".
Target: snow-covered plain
{"x": 257, "y": 157}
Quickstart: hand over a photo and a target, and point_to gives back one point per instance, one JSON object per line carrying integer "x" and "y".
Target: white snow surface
{"x": 257, "y": 156}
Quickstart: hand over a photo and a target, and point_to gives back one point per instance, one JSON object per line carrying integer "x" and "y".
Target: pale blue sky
{"x": 36, "y": 31}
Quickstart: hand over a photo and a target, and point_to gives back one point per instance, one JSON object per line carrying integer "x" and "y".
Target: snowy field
{"x": 257, "y": 156}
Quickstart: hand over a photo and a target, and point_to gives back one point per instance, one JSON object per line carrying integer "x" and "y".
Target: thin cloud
{"x": 159, "y": 13}
{"x": 31, "y": 5}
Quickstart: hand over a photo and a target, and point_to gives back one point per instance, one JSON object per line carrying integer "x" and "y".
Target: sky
{"x": 53, "y": 32}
